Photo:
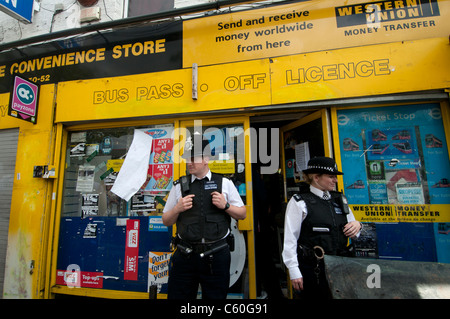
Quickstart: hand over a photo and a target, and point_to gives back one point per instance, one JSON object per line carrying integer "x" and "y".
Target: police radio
{"x": 344, "y": 203}
{"x": 184, "y": 180}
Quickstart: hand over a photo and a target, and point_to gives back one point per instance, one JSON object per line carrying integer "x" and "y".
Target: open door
{"x": 301, "y": 140}
{"x": 271, "y": 191}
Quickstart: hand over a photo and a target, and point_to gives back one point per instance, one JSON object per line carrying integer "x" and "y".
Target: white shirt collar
{"x": 208, "y": 175}
{"x": 316, "y": 191}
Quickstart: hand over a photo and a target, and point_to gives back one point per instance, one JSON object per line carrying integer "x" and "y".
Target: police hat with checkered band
{"x": 196, "y": 148}
{"x": 322, "y": 165}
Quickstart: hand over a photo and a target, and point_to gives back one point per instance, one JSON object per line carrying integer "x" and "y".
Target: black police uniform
{"x": 201, "y": 230}
{"x": 322, "y": 227}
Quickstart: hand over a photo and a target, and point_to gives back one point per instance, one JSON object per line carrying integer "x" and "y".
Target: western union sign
{"x": 402, "y": 213}
{"x": 310, "y": 26}
{"x": 384, "y": 11}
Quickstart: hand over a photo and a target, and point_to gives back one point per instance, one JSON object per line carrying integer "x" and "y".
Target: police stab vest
{"x": 324, "y": 223}
{"x": 204, "y": 222}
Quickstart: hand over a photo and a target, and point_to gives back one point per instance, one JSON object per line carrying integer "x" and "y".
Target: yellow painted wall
{"x": 29, "y": 204}
{"x": 361, "y": 71}
{"x": 7, "y": 121}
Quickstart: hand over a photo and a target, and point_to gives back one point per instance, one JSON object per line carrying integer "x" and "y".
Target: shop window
{"x": 227, "y": 151}
{"x": 396, "y": 170}
{"x": 105, "y": 241}
{"x": 94, "y": 159}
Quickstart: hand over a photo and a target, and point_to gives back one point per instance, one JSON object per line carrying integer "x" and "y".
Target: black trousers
{"x": 315, "y": 283}
{"x": 188, "y": 271}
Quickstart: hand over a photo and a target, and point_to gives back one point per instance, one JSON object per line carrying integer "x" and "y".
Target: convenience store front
{"x": 265, "y": 98}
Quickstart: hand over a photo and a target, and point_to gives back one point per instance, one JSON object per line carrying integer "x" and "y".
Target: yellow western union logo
{"x": 375, "y": 12}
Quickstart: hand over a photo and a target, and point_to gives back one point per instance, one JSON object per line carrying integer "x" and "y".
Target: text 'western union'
{"x": 395, "y": 210}
{"x": 381, "y": 11}
{"x": 86, "y": 56}
{"x": 338, "y": 71}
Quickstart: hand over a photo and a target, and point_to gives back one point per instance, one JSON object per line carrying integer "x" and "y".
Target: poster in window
{"x": 160, "y": 170}
{"x": 394, "y": 155}
{"x": 158, "y": 270}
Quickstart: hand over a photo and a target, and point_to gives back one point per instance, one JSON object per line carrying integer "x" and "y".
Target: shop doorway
{"x": 229, "y": 147}
{"x": 301, "y": 135}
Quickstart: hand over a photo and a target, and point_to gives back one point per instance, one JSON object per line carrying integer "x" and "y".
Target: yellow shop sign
{"x": 310, "y": 26}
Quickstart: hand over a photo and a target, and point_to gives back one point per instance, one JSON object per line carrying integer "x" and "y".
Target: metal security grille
{"x": 8, "y": 147}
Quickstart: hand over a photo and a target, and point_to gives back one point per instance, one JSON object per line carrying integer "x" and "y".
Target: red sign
{"x": 162, "y": 150}
{"x": 131, "y": 250}
{"x": 86, "y": 279}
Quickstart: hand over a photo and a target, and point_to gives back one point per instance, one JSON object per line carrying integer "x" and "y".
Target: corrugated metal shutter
{"x": 8, "y": 151}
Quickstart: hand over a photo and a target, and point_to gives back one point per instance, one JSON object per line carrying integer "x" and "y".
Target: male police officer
{"x": 201, "y": 205}
{"x": 318, "y": 221}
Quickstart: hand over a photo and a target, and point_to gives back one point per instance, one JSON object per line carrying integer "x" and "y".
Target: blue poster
{"x": 398, "y": 155}
{"x": 394, "y": 155}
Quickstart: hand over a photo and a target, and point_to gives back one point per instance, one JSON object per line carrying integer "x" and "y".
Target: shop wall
{"x": 30, "y": 200}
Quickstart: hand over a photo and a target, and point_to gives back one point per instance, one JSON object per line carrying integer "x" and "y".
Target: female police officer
{"x": 201, "y": 205}
{"x": 318, "y": 221}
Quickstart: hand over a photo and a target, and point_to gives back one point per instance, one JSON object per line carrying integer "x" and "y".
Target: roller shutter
{"x": 8, "y": 150}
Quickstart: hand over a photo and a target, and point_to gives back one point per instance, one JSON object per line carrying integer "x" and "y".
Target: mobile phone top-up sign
{"x": 23, "y": 104}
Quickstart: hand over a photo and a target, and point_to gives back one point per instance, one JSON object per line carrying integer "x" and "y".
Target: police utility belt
{"x": 203, "y": 249}
{"x": 310, "y": 255}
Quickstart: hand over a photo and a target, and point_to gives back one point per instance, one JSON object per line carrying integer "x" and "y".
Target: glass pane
{"x": 106, "y": 242}
{"x": 310, "y": 136}
{"x": 227, "y": 150}
{"x": 94, "y": 158}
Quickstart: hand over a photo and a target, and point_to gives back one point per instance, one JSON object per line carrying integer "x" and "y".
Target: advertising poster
{"x": 442, "y": 237}
{"x": 89, "y": 206}
{"x": 140, "y": 204}
{"x": 160, "y": 170}
{"x": 24, "y": 100}
{"x": 131, "y": 250}
{"x": 396, "y": 170}
{"x": 394, "y": 155}
{"x": 293, "y": 28}
{"x": 77, "y": 279}
{"x": 85, "y": 179}
{"x": 161, "y": 178}
{"x": 158, "y": 270}
{"x": 155, "y": 224}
